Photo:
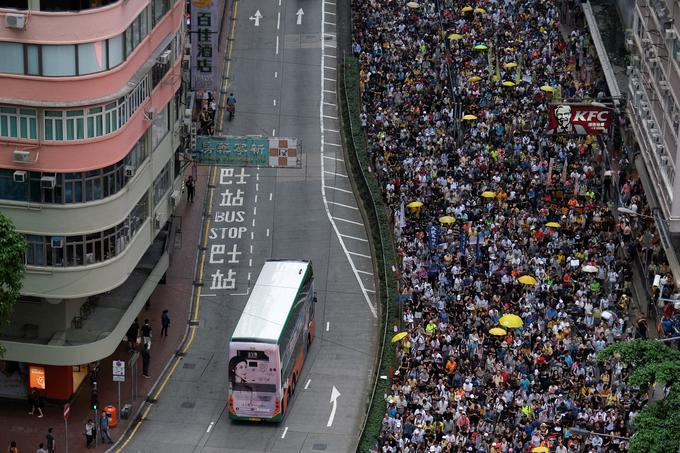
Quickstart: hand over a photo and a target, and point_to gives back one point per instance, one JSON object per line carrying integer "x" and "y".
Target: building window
{"x": 75, "y": 187}
{"x": 84, "y": 249}
{"x": 160, "y": 127}
{"x": 162, "y": 183}
{"x": 18, "y": 123}
{"x": 79, "y": 59}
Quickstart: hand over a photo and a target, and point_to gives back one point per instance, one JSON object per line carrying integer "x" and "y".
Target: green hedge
{"x": 383, "y": 243}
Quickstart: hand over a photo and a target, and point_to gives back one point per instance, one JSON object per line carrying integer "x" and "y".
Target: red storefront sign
{"x": 578, "y": 119}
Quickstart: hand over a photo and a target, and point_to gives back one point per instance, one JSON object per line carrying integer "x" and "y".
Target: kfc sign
{"x": 578, "y": 119}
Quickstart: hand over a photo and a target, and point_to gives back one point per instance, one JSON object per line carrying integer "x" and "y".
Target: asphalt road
{"x": 283, "y": 75}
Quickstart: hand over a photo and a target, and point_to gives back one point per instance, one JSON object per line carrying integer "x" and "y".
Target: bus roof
{"x": 271, "y": 300}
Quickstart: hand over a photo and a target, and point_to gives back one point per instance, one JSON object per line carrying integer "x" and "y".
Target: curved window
{"x": 84, "y": 249}
{"x": 80, "y": 59}
{"x": 67, "y": 188}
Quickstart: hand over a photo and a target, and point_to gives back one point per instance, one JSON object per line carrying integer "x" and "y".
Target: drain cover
{"x": 189, "y": 366}
{"x": 188, "y": 404}
{"x": 319, "y": 447}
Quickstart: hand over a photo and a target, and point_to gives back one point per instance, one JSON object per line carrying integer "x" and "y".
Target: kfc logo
{"x": 578, "y": 119}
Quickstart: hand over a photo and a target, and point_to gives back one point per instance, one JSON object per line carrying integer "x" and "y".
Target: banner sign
{"x": 204, "y": 31}
{"x": 232, "y": 151}
{"x": 280, "y": 152}
{"x": 578, "y": 119}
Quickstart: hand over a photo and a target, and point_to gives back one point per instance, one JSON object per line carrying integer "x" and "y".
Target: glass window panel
{"x": 72, "y": 113}
{"x": 4, "y": 128}
{"x": 59, "y": 60}
{"x": 95, "y": 110}
{"x": 80, "y": 128}
{"x": 27, "y": 112}
{"x": 116, "y": 51}
{"x": 23, "y": 127}
{"x": 33, "y": 128}
{"x": 12, "y": 60}
{"x": 53, "y": 114}
{"x": 13, "y": 132}
{"x": 90, "y": 126}
{"x": 91, "y": 57}
{"x": 8, "y": 110}
{"x": 145, "y": 25}
{"x": 100, "y": 125}
{"x": 114, "y": 120}
{"x": 70, "y": 130}
{"x": 33, "y": 59}
{"x": 128, "y": 41}
{"x": 135, "y": 32}
{"x": 49, "y": 130}
{"x": 58, "y": 129}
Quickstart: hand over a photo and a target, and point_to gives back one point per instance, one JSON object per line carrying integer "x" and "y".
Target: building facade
{"x": 91, "y": 103}
{"x": 654, "y": 101}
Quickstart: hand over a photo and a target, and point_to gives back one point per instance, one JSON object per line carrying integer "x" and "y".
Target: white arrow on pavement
{"x": 299, "y": 14}
{"x": 256, "y": 18}
{"x": 334, "y": 401}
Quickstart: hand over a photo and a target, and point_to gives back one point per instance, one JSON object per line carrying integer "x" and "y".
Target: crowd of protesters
{"x": 503, "y": 179}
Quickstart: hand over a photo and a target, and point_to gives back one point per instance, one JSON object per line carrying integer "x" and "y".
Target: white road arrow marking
{"x": 334, "y": 401}
{"x": 256, "y": 18}
{"x": 299, "y": 14}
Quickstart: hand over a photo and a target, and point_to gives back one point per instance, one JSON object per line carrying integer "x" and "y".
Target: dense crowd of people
{"x": 448, "y": 138}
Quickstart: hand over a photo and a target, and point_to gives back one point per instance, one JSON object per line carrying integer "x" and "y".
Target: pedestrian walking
{"x": 104, "y": 428}
{"x": 41, "y": 448}
{"x": 13, "y": 447}
{"x": 132, "y": 335}
{"x": 165, "y": 323}
{"x": 36, "y": 403}
{"x": 190, "y": 183}
{"x": 51, "y": 444}
{"x": 146, "y": 358}
{"x": 146, "y": 333}
{"x": 90, "y": 432}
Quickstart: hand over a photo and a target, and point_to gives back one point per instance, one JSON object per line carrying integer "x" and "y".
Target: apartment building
{"x": 91, "y": 99}
{"x": 654, "y": 101}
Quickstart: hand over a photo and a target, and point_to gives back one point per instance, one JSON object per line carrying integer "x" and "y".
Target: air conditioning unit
{"x": 157, "y": 222}
{"x": 186, "y": 119}
{"x": 649, "y": 53}
{"x": 659, "y": 149}
{"x": 664, "y": 85}
{"x": 89, "y": 258}
{"x": 656, "y": 138}
{"x": 669, "y": 33}
{"x": 664, "y": 161}
{"x": 175, "y": 198}
{"x": 164, "y": 58}
{"x": 48, "y": 182}
{"x": 21, "y": 156}
{"x": 17, "y": 21}
{"x": 129, "y": 171}
{"x": 20, "y": 176}
{"x": 57, "y": 242}
{"x": 629, "y": 70}
{"x": 635, "y": 59}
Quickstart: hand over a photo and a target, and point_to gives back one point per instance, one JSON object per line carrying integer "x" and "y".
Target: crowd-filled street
{"x": 512, "y": 266}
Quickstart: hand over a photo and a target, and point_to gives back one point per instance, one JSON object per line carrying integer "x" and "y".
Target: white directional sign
{"x": 256, "y": 18}
{"x": 299, "y": 14}
{"x": 334, "y": 401}
{"x": 118, "y": 371}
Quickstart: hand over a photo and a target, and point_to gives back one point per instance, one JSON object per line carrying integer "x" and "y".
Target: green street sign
{"x": 234, "y": 151}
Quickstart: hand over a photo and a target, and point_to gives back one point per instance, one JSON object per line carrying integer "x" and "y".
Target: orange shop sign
{"x": 37, "y": 377}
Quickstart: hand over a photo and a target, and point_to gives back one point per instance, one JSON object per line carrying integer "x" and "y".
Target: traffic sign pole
{"x": 67, "y": 411}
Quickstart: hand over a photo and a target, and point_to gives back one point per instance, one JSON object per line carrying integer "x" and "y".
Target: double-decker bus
{"x": 270, "y": 342}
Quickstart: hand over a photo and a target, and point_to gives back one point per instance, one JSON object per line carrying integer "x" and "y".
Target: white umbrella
{"x": 606, "y": 315}
{"x": 589, "y": 268}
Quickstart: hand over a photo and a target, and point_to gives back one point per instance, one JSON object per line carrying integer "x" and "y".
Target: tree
{"x": 650, "y": 363}
{"x": 12, "y": 250}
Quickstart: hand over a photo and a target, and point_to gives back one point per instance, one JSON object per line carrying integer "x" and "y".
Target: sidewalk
{"x": 28, "y": 431}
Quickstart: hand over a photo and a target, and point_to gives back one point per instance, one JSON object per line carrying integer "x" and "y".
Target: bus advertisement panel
{"x": 254, "y": 373}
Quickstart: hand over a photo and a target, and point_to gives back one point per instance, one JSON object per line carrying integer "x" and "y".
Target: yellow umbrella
{"x": 508, "y": 83}
{"x": 510, "y": 65}
{"x": 467, "y": 9}
{"x": 414, "y": 204}
{"x": 474, "y": 78}
{"x": 413, "y": 5}
{"x": 399, "y": 336}
{"x": 446, "y": 219}
{"x": 540, "y": 450}
{"x": 511, "y": 321}
{"x": 489, "y": 194}
{"x": 481, "y": 47}
{"x": 547, "y": 88}
{"x": 480, "y": 10}
{"x": 498, "y": 331}
{"x": 553, "y": 225}
{"x": 455, "y": 36}
{"x": 469, "y": 117}
{"x": 527, "y": 280}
